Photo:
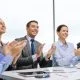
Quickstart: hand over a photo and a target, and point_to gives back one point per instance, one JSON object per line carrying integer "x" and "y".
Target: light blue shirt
{"x": 64, "y": 54}
{"x": 5, "y": 61}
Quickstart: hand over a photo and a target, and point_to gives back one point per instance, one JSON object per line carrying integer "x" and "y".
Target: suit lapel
{"x": 28, "y": 49}
{"x": 36, "y": 46}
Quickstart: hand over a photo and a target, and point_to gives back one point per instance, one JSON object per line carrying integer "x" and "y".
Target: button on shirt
{"x": 64, "y": 54}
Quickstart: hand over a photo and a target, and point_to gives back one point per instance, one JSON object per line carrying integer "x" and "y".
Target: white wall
{"x": 68, "y": 12}
{"x": 16, "y": 13}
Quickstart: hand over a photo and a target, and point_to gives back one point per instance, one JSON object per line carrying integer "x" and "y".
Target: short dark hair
{"x": 60, "y": 26}
{"x": 78, "y": 45}
{"x": 28, "y": 24}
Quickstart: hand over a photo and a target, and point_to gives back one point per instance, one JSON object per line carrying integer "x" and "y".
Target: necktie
{"x": 32, "y": 46}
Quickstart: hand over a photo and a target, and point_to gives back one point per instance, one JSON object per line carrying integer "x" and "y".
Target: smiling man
{"x": 32, "y": 52}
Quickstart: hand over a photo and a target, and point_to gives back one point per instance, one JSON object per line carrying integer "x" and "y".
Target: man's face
{"x": 32, "y": 30}
{"x": 2, "y": 27}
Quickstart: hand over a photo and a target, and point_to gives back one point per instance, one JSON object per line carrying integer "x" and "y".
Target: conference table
{"x": 52, "y": 73}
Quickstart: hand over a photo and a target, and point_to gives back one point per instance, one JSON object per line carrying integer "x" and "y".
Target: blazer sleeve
{"x": 24, "y": 61}
{"x": 44, "y": 63}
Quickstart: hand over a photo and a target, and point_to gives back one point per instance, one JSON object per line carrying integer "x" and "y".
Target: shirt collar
{"x": 61, "y": 44}
{"x": 29, "y": 38}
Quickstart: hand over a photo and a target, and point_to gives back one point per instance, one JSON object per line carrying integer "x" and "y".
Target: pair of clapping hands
{"x": 14, "y": 49}
{"x": 50, "y": 52}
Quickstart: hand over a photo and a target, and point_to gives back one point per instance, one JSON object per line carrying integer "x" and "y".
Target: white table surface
{"x": 56, "y": 73}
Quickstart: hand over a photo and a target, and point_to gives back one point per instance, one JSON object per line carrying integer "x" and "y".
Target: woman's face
{"x": 63, "y": 33}
{"x": 2, "y": 27}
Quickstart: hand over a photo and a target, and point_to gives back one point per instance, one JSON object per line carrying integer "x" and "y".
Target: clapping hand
{"x": 14, "y": 48}
{"x": 77, "y": 52}
{"x": 51, "y": 51}
{"x": 39, "y": 51}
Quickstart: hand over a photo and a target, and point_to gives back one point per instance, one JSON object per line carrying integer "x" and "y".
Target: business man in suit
{"x": 32, "y": 52}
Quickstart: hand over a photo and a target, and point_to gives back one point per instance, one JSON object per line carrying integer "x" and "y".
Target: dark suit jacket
{"x": 25, "y": 61}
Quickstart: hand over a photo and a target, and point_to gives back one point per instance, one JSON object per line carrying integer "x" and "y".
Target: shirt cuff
{"x": 34, "y": 57}
{"x": 46, "y": 58}
{"x": 7, "y": 59}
